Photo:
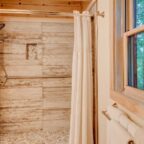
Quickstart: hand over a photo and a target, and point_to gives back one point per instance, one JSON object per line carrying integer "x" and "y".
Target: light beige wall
{"x": 105, "y": 29}
{"x": 103, "y": 67}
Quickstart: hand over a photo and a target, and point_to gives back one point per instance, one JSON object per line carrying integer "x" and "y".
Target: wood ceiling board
{"x": 41, "y": 1}
{"x": 88, "y": 5}
{"x": 56, "y": 6}
{"x": 43, "y": 8}
{"x": 46, "y": 5}
{"x": 84, "y": 5}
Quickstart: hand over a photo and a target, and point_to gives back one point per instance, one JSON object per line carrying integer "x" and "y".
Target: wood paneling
{"x": 57, "y": 27}
{"x": 61, "y": 114}
{"x": 11, "y": 115}
{"x": 60, "y": 6}
{"x": 53, "y": 49}
{"x": 57, "y": 82}
{"x": 12, "y": 48}
{"x": 35, "y": 74}
{"x": 20, "y": 93}
{"x": 56, "y": 125}
{"x": 57, "y": 60}
{"x": 24, "y": 83}
{"x": 20, "y": 103}
{"x": 14, "y": 54}
{"x": 34, "y": 83}
{"x": 47, "y": 5}
{"x": 57, "y": 71}
{"x": 20, "y": 127}
{"x": 57, "y": 97}
{"x": 24, "y": 71}
{"x": 17, "y": 60}
{"x": 58, "y": 40}
{"x": 56, "y": 119}
{"x": 23, "y": 28}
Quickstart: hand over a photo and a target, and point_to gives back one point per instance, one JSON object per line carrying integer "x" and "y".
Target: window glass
{"x": 136, "y": 61}
{"x": 139, "y": 12}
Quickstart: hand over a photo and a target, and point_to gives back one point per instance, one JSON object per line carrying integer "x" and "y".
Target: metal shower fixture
{"x": 2, "y": 25}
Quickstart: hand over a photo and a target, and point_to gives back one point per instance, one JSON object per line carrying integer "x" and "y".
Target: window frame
{"x": 128, "y": 90}
{"x": 129, "y": 97}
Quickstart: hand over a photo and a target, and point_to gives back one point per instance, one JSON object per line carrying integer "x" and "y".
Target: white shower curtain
{"x": 81, "y": 129}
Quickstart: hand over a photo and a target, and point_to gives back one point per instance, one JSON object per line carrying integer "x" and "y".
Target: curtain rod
{"x": 37, "y": 12}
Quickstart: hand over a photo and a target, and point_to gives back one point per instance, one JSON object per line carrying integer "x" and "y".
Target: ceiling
{"x": 47, "y": 5}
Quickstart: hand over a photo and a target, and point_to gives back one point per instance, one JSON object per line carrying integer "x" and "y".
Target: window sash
{"x": 128, "y": 90}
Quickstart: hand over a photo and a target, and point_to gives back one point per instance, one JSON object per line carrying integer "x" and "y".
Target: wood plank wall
{"x": 35, "y": 76}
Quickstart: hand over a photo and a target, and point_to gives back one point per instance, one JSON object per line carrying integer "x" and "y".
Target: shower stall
{"x": 37, "y": 65}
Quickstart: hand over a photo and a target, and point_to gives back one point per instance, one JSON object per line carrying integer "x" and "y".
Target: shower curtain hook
{"x": 102, "y": 14}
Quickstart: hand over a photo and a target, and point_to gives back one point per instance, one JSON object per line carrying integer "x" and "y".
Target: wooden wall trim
{"x": 48, "y": 8}
{"x": 35, "y": 19}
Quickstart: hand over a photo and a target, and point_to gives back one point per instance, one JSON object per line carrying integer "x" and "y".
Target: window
{"x": 140, "y": 43}
{"x": 135, "y": 44}
{"x": 127, "y": 60}
{"x": 136, "y": 61}
{"x": 134, "y": 13}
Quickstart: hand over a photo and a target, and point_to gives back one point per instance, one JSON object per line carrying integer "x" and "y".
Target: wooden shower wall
{"x": 35, "y": 75}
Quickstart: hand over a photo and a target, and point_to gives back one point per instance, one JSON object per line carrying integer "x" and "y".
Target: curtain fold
{"x": 81, "y": 129}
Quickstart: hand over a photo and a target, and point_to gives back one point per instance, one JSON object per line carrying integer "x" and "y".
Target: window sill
{"x": 130, "y": 104}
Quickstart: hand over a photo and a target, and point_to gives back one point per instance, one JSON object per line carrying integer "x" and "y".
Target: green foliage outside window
{"x": 140, "y": 44}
